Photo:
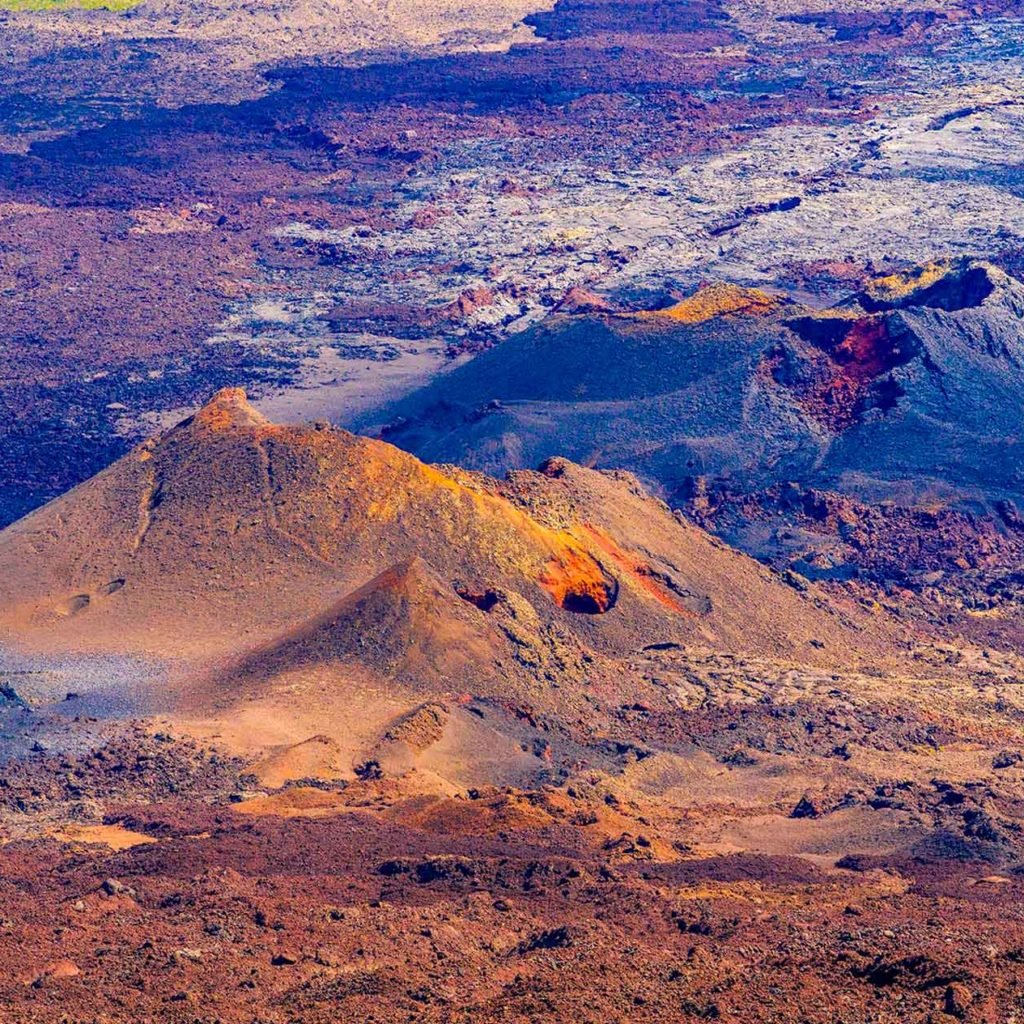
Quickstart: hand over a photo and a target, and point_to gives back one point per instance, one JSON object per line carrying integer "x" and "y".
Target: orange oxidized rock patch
{"x": 578, "y": 583}
{"x": 720, "y": 300}
{"x": 892, "y": 287}
{"x": 639, "y": 572}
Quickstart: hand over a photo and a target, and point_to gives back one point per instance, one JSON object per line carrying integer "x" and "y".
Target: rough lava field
{"x": 328, "y": 227}
{"x": 511, "y": 511}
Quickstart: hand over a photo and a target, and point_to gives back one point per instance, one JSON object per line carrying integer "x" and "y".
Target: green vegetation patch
{"x": 67, "y": 5}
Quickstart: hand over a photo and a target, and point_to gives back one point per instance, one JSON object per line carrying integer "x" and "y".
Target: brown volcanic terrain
{"x": 561, "y": 730}
{"x": 281, "y": 569}
{"x": 296, "y": 726}
{"x": 229, "y": 529}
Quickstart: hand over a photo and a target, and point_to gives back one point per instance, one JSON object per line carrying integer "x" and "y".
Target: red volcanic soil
{"x": 192, "y": 902}
{"x": 235, "y": 919}
{"x": 854, "y": 354}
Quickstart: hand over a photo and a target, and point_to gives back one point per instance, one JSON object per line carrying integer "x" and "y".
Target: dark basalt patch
{"x": 570, "y": 19}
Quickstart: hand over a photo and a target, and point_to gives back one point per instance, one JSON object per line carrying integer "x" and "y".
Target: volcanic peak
{"x": 407, "y": 623}
{"x": 228, "y": 409}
